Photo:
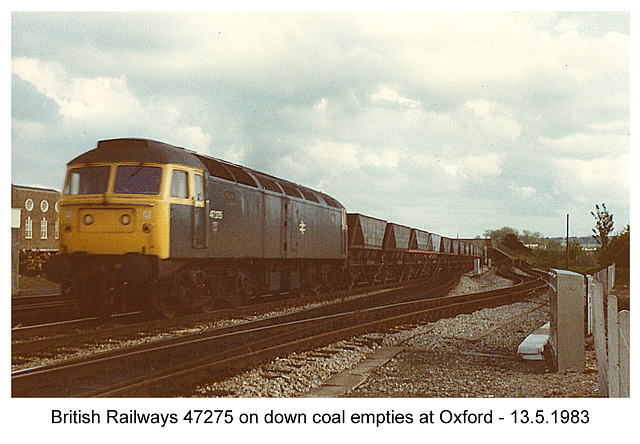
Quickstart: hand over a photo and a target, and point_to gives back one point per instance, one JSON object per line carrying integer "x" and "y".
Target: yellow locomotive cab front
{"x": 115, "y": 209}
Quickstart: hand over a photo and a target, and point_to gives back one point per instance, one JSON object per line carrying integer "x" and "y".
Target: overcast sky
{"x": 455, "y": 123}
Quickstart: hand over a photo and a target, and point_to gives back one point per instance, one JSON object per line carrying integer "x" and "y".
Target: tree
{"x": 531, "y": 238}
{"x": 511, "y": 241}
{"x": 619, "y": 249}
{"x": 604, "y": 226}
{"x": 499, "y": 235}
{"x": 574, "y": 250}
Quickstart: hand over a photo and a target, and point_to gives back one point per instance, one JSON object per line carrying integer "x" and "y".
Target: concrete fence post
{"x": 599, "y": 338}
{"x": 624, "y": 321}
{"x": 612, "y": 346}
{"x": 476, "y": 267}
{"x": 567, "y": 321}
{"x": 611, "y": 277}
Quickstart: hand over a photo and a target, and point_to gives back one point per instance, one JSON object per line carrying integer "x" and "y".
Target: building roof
{"x": 29, "y": 188}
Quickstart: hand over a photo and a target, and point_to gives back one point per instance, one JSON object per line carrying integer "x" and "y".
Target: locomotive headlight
{"x": 125, "y": 219}
{"x": 87, "y": 219}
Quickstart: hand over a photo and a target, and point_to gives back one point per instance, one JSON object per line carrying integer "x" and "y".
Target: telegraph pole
{"x": 567, "y": 246}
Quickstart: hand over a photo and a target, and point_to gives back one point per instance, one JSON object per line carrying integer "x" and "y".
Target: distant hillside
{"x": 584, "y": 241}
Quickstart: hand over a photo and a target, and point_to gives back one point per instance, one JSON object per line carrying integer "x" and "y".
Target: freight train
{"x": 150, "y": 226}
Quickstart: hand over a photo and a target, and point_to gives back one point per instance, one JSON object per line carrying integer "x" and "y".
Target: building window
{"x": 44, "y": 206}
{"x": 57, "y": 229}
{"x": 28, "y": 204}
{"x": 28, "y": 228}
{"x": 43, "y": 229}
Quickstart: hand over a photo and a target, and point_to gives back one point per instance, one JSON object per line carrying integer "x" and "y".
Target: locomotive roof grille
{"x": 138, "y": 150}
{"x": 145, "y": 150}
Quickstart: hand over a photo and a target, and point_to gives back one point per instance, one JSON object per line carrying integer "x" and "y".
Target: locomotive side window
{"x": 216, "y": 169}
{"x": 290, "y": 190}
{"x": 133, "y": 179}
{"x": 241, "y": 176}
{"x": 179, "y": 187}
{"x": 308, "y": 194}
{"x": 87, "y": 180}
{"x": 330, "y": 201}
{"x": 269, "y": 184}
{"x": 199, "y": 184}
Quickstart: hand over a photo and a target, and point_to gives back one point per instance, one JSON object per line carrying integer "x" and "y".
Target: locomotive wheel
{"x": 312, "y": 282}
{"x": 189, "y": 294}
{"x": 73, "y": 296}
{"x": 179, "y": 296}
{"x": 350, "y": 279}
{"x": 168, "y": 311}
{"x": 243, "y": 289}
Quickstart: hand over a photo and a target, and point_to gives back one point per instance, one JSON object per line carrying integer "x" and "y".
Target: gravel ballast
{"x": 470, "y": 355}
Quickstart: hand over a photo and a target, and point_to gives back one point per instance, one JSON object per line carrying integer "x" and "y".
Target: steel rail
{"x": 35, "y": 380}
{"x": 228, "y": 346}
{"x": 178, "y": 378}
{"x": 54, "y": 334}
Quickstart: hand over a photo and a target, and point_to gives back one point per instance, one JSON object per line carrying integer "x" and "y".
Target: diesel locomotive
{"x": 150, "y": 226}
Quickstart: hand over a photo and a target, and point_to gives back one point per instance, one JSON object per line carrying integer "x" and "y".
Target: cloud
{"x": 494, "y": 119}
{"x": 387, "y": 95}
{"x": 474, "y": 167}
{"x": 600, "y": 179}
{"x": 419, "y": 117}
{"x": 589, "y": 145}
{"x": 81, "y": 99}
{"x": 105, "y": 102}
{"x": 349, "y": 156}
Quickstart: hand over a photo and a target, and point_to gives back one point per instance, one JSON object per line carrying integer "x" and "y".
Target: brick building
{"x": 38, "y": 207}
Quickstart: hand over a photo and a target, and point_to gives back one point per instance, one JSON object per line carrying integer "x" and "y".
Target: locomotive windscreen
{"x": 87, "y": 180}
{"x": 132, "y": 179}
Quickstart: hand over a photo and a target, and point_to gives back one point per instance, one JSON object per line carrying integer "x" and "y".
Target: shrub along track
{"x": 174, "y": 366}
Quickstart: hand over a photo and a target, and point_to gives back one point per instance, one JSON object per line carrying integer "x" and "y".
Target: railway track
{"x": 174, "y": 366}
{"x": 33, "y": 309}
{"x": 28, "y": 339}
